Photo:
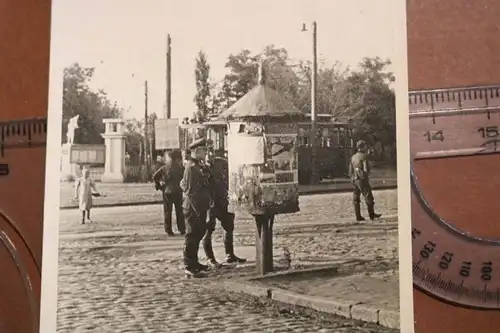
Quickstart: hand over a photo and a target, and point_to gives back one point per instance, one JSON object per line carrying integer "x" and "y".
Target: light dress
{"x": 84, "y": 187}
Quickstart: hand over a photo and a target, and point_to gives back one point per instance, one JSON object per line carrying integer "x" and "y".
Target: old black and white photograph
{"x": 228, "y": 166}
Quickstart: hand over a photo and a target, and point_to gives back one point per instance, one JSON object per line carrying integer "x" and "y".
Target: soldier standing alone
{"x": 359, "y": 171}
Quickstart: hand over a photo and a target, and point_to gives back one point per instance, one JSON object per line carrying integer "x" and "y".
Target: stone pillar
{"x": 114, "y": 140}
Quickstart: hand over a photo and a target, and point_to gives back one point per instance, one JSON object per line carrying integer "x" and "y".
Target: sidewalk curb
{"x": 344, "y": 308}
{"x": 158, "y": 202}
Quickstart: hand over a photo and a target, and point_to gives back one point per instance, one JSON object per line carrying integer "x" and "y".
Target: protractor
{"x": 22, "y": 173}
{"x": 455, "y": 182}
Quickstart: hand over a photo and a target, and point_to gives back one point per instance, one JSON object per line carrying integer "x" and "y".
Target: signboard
{"x": 167, "y": 134}
{"x": 87, "y": 154}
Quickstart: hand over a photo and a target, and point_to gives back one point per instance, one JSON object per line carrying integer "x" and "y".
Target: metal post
{"x": 168, "y": 80}
{"x": 314, "y": 74}
{"x": 146, "y": 146}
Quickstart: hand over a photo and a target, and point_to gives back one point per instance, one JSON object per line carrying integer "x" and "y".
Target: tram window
{"x": 324, "y": 142}
{"x": 343, "y": 138}
{"x": 215, "y": 139}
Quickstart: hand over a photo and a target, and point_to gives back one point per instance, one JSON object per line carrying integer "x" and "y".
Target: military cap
{"x": 361, "y": 144}
{"x": 202, "y": 142}
{"x": 198, "y": 143}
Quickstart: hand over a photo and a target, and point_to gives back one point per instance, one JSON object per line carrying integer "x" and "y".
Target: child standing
{"x": 84, "y": 190}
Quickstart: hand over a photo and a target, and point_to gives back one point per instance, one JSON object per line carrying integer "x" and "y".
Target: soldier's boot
{"x": 231, "y": 258}
{"x": 357, "y": 212}
{"x": 193, "y": 273}
{"x": 209, "y": 252}
{"x": 203, "y": 268}
{"x": 168, "y": 228}
{"x": 371, "y": 211}
{"x": 213, "y": 263}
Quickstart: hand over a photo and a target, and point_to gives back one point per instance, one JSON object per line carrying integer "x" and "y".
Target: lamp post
{"x": 314, "y": 73}
{"x": 168, "y": 58}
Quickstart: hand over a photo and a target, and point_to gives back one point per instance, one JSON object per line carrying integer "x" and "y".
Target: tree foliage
{"x": 361, "y": 96}
{"x": 135, "y": 145}
{"x": 203, "y": 95}
{"x": 92, "y": 106}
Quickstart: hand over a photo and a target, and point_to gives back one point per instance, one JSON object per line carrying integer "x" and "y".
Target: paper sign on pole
{"x": 167, "y": 134}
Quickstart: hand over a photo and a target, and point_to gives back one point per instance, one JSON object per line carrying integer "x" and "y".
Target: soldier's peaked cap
{"x": 202, "y": 142}
{"x": 361, "y": 144}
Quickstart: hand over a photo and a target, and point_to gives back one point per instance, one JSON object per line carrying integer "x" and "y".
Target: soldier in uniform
{"x": 167, "y": 179}
{"x": 196, "y": 187}
{"x": 219, "y": 174}
{"x": 359, "y": 171}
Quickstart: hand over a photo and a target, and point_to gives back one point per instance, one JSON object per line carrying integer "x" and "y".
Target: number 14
{"x": 434, "y": 136}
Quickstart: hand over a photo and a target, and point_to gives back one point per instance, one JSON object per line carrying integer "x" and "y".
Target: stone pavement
{"x": 122, "y": 274}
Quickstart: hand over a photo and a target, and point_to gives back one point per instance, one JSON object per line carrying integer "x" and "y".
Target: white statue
{"x": 72, "y": 126}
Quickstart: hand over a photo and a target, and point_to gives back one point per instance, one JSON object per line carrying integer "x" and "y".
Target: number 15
{"x": 489, "y": 132}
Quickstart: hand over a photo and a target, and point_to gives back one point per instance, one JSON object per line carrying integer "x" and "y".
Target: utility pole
{"x": 314, "y": 75}
{"x": 314, "y": 161}
{"x": 146, "y": 160}
{"x": 168, "y": 111}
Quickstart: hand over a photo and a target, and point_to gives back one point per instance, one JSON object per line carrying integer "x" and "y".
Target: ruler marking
{"x": 2, "y": 140}
{"x": 30, "y": 133}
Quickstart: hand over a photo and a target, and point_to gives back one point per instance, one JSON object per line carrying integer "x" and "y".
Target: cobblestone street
{"x": 123, "y": 274}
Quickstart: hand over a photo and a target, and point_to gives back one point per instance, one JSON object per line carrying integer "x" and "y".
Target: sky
{"x": 125, "y": 40}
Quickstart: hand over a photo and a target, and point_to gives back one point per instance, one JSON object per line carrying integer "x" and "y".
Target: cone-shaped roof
{"x": 261, "y": 101}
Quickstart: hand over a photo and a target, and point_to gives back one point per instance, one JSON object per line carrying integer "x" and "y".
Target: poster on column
{"x": 279, "y": 174}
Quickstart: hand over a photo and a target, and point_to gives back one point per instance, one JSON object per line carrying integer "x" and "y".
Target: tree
{"x": 292, "y": 81}
{"x": 243, "y": 69}
{"x": 372, "y": 108}
{"x": 363, "y": 97}
{"x": 134, "y": 144}
{"x": 135, "y": 139}
{"x": 203, "y": 96}
{"x": 79, "y": 99}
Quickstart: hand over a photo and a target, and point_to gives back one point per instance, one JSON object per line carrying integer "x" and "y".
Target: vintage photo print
{"x": 227, "y": 167}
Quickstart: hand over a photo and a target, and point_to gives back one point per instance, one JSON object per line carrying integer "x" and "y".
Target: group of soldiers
{"x": 196, "y": 185}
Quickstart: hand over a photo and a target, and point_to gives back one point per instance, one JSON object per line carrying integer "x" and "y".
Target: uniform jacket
{"x": 195, "y": 184}
{"x": 170, "y": 175}
{"x": 359, "y": 168}
{"x": 219, "y": 175}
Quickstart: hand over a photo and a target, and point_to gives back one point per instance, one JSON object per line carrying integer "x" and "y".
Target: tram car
{"x": 334, "y": 146}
